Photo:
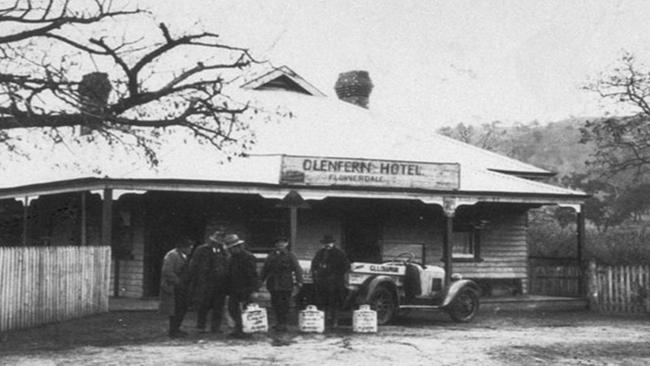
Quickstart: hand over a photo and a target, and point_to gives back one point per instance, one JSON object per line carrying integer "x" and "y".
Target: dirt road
{"x": 525, "y": 338}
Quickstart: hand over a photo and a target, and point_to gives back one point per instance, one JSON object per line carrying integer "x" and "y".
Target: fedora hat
{"x": 232, "y": 240}
{"x": 217, "y": 235}
{"x": 327, "y": 239}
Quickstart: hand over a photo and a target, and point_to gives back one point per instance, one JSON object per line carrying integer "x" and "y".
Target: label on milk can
{"x": 254, "y": 319}
{"x": 364, "y": 320}
{"x": 311, "y": 320}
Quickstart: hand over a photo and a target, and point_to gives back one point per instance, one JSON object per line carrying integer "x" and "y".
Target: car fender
{"x": 456, "y": 287}
{"x": 374, "y": 282}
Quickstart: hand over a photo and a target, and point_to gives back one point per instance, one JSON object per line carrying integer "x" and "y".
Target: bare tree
{"x": 63, "y": 68}
{"x": 623, "y": 143}
{"x": 487, "y": 136}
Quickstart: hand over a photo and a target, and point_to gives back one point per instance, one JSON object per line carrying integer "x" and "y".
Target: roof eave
{"x": 272, "y": 190}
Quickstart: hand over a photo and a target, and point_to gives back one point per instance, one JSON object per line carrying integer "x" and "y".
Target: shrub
{"x": 547, "y": 238}
{"x": 627, "y": 244}
{"x": 623, "y": 244}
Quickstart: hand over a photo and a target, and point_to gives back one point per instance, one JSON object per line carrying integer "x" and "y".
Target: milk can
{"x": 364, "y": 320}
{"x": 254, "y": 319}
{"x": 311, "y": 320}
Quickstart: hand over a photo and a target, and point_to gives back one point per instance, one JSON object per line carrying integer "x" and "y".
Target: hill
{"x": 555, "y": 146}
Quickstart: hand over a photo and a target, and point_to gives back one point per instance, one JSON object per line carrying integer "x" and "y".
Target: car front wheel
{"x": 464, "y": 307}
{"x": 383, "y": 302}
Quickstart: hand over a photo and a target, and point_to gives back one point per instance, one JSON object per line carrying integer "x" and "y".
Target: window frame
{"x": 473, "y": 235}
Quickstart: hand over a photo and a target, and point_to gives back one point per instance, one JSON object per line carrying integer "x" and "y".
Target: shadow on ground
{"x": 110, "y": 329}
{"x": 123, "y": 328}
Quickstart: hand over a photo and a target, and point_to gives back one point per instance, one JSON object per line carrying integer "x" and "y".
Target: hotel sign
{"x": 321, "y": 171}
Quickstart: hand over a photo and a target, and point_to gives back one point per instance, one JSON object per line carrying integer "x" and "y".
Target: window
{"x": 466, "y": 243}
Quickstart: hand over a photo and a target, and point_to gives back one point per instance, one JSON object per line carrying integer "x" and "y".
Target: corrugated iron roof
{"x": 330, "y": 127}
{"x": 316, "y": 126}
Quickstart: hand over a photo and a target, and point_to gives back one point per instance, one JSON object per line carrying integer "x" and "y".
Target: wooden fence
{"x": 41, "y": 285}
{"x": 554, "y": 277}
{"x": 619, "y": 288}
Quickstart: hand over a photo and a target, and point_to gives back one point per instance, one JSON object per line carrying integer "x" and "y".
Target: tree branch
{"x": 44, "y": 91}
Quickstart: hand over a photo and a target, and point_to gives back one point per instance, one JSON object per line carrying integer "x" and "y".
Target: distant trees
{"x": 555, "y": 146}
{"x": 486, "y": 136}
{"x": 623, "y": 143}
{"x": 95, "y": 64}
{"x": 604, "y": 208}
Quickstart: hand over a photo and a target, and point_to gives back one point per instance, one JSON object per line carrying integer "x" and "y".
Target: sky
{"x": 437, "y": 63}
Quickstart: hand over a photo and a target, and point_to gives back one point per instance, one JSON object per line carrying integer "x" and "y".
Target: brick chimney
{"x": 354, "y": 87}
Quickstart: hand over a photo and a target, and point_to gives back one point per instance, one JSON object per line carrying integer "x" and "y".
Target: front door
{"x": 361, "y": 236}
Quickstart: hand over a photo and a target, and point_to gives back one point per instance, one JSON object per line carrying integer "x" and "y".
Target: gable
{"x": 283, "y": 83}
{"x": 282, "y": 78}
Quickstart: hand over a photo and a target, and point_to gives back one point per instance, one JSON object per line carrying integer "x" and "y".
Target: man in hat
{"x": 243, "y": 280}
{"x": 174, "y": 286}
{"x": 279, "y": 271}
{"x": 328, "y": 269}
{"x": 209, "y": 281}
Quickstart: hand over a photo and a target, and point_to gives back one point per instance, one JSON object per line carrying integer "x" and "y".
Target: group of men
{"x": 223, "y": 268}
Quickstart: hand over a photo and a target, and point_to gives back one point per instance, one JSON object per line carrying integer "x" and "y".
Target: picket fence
{"x": 40, "y": 285}
{"x": 623, "y": 289}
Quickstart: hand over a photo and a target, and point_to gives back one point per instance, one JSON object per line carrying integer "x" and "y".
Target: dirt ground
{"x": 503, "y": 338}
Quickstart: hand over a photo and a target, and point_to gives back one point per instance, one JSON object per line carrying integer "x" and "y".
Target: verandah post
{"x": 25, "y": 219}
{"x": 293, "y": 225}
{"x": 293, "y": 200}
{"x": 84, "y": 219}
{"x": 107, "y": 240}
{"x": 446, "y": 248}
{"x": 449, "y": 208}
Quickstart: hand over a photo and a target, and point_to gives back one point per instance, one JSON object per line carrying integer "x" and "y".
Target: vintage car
{"x": 397, "y": 286}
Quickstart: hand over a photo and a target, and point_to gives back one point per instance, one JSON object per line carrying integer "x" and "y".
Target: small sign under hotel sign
{"x": 323, "y": 171}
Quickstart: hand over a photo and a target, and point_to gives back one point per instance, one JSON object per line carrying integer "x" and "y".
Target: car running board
{"x": 419, "y": 307}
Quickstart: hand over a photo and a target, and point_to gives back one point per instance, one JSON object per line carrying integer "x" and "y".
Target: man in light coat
{"x": 174, "y": 286}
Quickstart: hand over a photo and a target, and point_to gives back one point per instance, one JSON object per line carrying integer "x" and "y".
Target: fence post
{"x": 592, "y": 285}
{"x": 580, "y": 243}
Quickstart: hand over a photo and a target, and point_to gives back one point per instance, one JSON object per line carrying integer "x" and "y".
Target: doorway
{"x": 362, "y": 233}
{"x": 168, "y": 218}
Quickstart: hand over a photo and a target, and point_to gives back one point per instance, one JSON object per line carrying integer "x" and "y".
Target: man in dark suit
{"x": 209, "y": 281}
{"x": 328, "y": 269}
{"x": 281, "y": 272}
{"x": 243, "y": 280}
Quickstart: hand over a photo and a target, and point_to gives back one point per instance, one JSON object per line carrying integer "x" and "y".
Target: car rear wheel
{"x": 464, "y": 307}
{"x": 383, "y": 302}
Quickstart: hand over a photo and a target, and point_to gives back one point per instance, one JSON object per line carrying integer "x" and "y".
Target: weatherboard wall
{"x": 311, "y": 228}
{"x": 504, "y": 251}
{"x": 131, "y": 280}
